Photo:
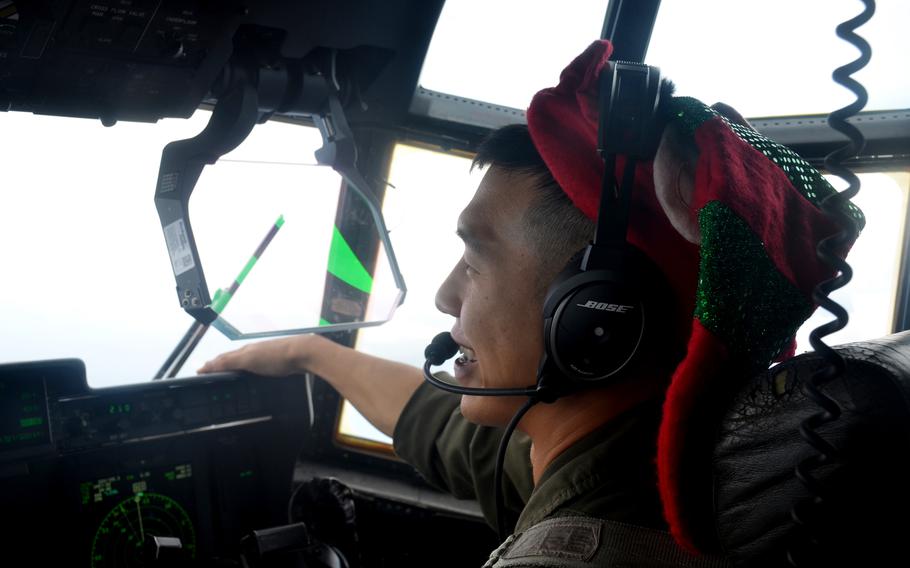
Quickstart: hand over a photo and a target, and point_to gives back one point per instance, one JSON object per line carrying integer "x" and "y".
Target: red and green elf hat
{"x": 743, "y": 293}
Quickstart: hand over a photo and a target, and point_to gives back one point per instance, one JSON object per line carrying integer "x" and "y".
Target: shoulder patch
{"x": 569, "y": 538}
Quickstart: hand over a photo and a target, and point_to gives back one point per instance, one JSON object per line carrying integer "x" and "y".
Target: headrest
{"x": 862, "y": 520}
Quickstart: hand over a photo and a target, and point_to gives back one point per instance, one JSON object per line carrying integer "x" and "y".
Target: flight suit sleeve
{"x": 459, "y": 457}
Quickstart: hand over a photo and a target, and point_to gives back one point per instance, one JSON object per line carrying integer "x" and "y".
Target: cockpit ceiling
{"x": 144, "y": 60}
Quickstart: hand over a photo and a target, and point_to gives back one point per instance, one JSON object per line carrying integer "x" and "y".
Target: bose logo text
{"x": 605, "y": 307}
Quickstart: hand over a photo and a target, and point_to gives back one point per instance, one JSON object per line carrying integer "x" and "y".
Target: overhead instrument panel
{"x": 172, "y": 32}
{"x": 160, "y": 474}
{"x": 113, "y": 59}
{"x": 142, "y": 60}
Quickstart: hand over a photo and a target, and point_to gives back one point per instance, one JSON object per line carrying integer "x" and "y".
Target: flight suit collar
{"x": 609, "y": 474}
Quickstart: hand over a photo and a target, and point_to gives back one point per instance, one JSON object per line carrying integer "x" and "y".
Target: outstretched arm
{"x": 377, "y": 387}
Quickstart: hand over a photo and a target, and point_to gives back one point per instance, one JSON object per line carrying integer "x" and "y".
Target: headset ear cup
{"x": 595, "y": 328}
{"x": 597, "y": 321}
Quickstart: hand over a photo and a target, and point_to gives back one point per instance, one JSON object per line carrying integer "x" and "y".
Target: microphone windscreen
{"x": 443, "y": 347}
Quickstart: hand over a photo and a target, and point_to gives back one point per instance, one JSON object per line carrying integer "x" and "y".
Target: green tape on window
{"x": 344, "y": 264}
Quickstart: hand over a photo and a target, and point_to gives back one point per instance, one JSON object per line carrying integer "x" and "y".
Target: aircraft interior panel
{"x": 174, "y": 473}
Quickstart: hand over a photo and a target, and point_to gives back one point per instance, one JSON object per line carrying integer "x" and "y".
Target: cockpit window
{"x": 80, "y": 232}
{"x": 428, "y": 191}
{"x": 285, "y": 246}
{"x": 785, "y": 55}
{"x": 876, "y": 261}
{"x": 86, "y": 270}
{"x": 477, "y": 43}
{"x": 786, "y": 71}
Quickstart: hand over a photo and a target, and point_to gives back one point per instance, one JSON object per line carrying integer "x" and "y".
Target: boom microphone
{"x": 443, "y": 347}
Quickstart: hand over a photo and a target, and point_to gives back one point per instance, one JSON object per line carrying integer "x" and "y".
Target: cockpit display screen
{"x": 23, "y": 412}
{"x": 139, "y": 515}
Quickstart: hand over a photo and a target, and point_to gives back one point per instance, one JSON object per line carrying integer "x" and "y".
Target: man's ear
{"x": 674, "y": 181}
{"x": 674, "y": 174}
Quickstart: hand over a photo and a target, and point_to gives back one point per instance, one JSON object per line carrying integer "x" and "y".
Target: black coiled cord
{"x": 830, "y": 250}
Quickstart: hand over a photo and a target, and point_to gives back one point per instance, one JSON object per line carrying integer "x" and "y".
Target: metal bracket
{"x": 340, "y": 152}
{"x": 182, "y": 163}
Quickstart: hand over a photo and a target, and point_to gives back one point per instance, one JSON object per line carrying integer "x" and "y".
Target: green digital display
{"x": 122, "y": 537}
{"x": 23, "y": 413}
{"x": 125, "y": 510}
{"x": 119, "y": 408}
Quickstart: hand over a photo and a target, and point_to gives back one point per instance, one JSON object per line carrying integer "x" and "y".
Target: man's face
{"x": 495, "y": 296}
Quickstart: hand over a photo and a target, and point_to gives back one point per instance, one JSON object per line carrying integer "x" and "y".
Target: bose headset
{"x": 597, "y": 311}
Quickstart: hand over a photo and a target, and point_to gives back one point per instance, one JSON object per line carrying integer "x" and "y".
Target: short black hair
{"x": 557, "y": 229}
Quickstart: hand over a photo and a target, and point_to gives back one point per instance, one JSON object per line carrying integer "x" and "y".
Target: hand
{"x": 273, "y": 358}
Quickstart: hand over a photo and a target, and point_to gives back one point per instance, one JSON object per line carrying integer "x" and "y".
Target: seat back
{"x": 864, "y": 517}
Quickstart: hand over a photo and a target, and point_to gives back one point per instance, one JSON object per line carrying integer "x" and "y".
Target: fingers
{"x": 225, "y": 362}
{"x": 216, "y": 365}
{"x": 272, "y": 358}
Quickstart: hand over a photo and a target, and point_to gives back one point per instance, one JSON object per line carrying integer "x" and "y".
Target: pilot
{"x": 728, "y": 229}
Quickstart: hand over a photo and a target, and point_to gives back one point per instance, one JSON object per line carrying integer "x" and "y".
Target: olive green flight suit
{"x": 598, "y": 498}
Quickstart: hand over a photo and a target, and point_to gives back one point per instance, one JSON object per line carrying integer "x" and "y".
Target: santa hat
{"x": 743, "y": 286}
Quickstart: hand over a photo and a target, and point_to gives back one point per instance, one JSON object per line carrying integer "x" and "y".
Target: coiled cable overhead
{"x": 830, "y": 250}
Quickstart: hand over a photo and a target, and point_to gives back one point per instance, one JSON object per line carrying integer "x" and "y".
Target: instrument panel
{"x": 24, "y": 421}
{"x": 147, "y": 509}
{"x": 166, "y": 473}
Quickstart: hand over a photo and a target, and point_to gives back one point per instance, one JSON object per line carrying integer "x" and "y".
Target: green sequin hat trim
{"x": 741, "y": 296}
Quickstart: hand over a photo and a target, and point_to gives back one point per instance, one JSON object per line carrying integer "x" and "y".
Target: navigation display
{"x": 129, "y": 515}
